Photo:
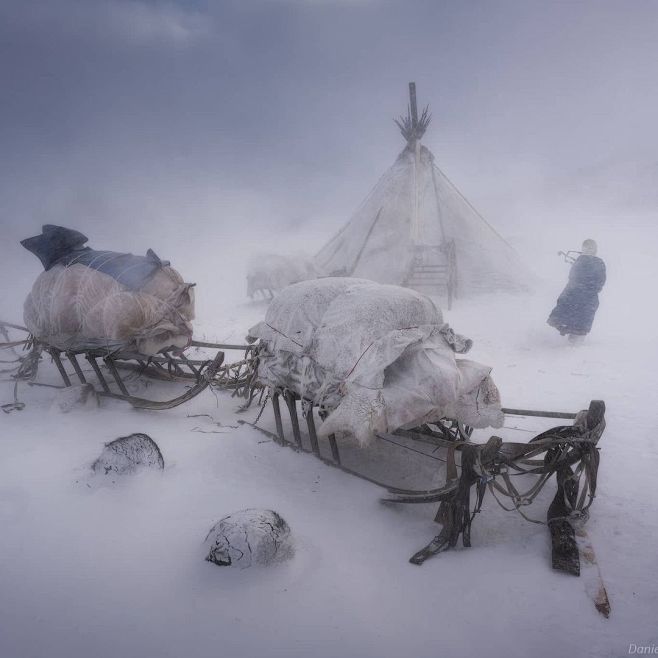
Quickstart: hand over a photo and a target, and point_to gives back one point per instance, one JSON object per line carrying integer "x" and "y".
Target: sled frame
{"x": 447, "y": 433}
{"x": 110, "y": 382}
{"x": 108, "y": 365}
{"x": 569, "y": 452}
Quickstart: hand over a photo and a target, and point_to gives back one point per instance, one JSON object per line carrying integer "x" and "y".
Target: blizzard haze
{"x": 199, "y": 125}
{"x": 210, "y": 131}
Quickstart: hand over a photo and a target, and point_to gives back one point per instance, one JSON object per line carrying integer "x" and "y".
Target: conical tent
{"x": 416, "y": 229}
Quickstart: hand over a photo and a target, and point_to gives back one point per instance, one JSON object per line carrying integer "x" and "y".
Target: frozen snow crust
{"x": 379, "y": 357}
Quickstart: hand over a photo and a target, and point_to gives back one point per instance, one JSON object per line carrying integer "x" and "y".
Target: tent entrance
{"x": 433, "y": 270}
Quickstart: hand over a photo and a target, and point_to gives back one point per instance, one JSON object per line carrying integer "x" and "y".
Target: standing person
{"x": 576, "y": 306}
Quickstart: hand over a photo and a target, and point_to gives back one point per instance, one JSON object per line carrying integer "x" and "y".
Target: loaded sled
{"x": 106, "y": 318}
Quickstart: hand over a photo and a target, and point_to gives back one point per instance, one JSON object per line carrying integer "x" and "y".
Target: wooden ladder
{"x": 435, "y": 276}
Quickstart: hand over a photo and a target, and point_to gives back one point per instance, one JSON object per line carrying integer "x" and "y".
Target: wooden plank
{"x": 58, "y": 362}
{"x": 334, "y": 448}
{"x": 539, "y": 414}
{"x": 292, "y": 409}
{"x": 222, "y": 346}
{"x": 277, "y": 417}
{"x": 115, "y": 374}
{"x": 76, "y": 367}
{"x": 99, "y": 374}
{"x": 310, "y": 422}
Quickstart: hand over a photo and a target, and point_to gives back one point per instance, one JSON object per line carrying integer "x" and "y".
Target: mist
{"x": 220, "y": 128}
{"x": 212, "y": 131}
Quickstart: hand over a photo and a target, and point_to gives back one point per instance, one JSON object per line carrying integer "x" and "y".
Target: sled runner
{"x": 110, "y": 369}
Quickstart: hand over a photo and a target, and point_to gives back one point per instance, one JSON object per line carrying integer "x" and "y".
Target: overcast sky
{"x": 123, "y": 110}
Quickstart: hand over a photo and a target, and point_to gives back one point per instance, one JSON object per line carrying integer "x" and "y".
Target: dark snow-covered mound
{"x": 249, "y": 537}
{"x": 128, "y": 455}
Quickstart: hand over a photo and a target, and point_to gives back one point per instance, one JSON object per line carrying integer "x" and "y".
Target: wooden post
{"x": 115, "y": 374}
{"x": 334, "y": 448}
{"x": 289, "y": 397}
{"x": 413, "y": 110}
{"x": 58, "y": 362}
{"x": 412, "y": 105}
{"x": 310, "y": 422}
{"x": 277, "y": 417}
{"x": 76, "y": 367}
{"x": 99, "y": 374}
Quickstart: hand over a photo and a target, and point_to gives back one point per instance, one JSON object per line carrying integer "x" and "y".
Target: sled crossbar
{"x": 222, "y": 346}
{"x": 539, "y": 414}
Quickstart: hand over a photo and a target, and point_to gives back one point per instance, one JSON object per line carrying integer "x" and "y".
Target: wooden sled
{"x": 165, "y": 367}
{"x": 106, "y": 368}
{"x": 200, "y": 373}
{"x": 569, "y": 452}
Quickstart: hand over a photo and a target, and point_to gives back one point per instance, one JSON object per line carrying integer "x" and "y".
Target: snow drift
{"x": 377, "y": 357}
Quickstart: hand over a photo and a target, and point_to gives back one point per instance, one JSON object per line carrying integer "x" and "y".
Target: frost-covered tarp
{"x": 88, "y": 299}
{"x": 378, "y": 357}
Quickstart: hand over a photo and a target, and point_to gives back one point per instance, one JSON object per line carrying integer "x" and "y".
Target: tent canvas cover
{"x": 416, "y": 229}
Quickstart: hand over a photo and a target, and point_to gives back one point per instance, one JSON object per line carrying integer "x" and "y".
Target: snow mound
{"x": 128, "y": 455}
{"x": 249, "y": 537}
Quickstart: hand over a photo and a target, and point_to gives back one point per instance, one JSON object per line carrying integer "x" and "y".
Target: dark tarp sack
{"x": 58, "y": 245}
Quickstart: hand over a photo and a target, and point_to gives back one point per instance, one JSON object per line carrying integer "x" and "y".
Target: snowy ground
{"x": 102, "y": 570}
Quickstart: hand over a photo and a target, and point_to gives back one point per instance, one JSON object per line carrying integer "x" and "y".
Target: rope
{"x": 470, "y": 205}
{"x": 262, "y": 409}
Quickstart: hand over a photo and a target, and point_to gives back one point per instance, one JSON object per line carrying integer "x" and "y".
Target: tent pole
{"x": 413, "y": 106}
{"x": 365, "y": 242}
{"x": 413, "y": 110}
{"x": 438, "y": 204}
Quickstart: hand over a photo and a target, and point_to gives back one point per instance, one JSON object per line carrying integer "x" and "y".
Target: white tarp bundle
{"x": 269, "y": 273}
{"x": 77, "y": 307}
{"x": 378, "y": 357}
